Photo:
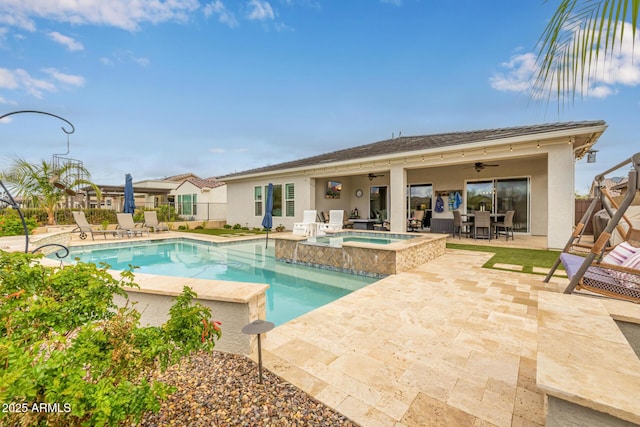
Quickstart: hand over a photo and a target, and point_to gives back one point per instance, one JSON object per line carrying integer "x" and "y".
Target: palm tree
{"x": 44, "y": 185}
{"x": 579, "y": 33}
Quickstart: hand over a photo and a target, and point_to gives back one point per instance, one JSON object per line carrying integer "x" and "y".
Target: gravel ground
{"x": 222, "y": 390}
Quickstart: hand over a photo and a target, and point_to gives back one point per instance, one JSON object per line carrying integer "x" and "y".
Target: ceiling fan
{"x": 373, "y": 175}
{"x": 478, "y": 166}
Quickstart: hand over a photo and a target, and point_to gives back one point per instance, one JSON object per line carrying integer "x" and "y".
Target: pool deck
{"x": 447, "y": 343}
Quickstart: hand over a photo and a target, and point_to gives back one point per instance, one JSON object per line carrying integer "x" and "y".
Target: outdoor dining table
{"x": 494, "y": 216}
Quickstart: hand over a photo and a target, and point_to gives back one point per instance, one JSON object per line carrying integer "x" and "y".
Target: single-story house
{"x": 529, "y": 169}
{"x": 201, "y": 199}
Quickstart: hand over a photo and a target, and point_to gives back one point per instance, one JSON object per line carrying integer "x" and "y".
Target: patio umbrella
{"x": 129, "y": 200}
{"x": 267, "y": 221}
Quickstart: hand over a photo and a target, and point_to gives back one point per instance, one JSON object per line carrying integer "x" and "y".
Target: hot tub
{"x": 370, "y": 253}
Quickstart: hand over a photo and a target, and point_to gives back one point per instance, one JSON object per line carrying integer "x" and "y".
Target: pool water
{"x": 336, "y": 239}
{"x": 294, "y": 289}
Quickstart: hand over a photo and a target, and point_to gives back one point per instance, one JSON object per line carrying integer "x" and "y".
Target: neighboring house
{"x": 529, "y": 169}
{"x": 149, "y": 194}
{"x": 615, "y": 186}
{"x": 201, "y": 199}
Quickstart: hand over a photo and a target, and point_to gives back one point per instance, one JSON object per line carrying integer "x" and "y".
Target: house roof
{"x": 408, "y": 144}
{"x": 204, "y": 183}
{"x": 181, "y": 178}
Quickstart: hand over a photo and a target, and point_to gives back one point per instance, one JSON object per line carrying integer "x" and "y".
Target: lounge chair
{"x": 125, "y": 222}
{"x": 151, "y": 221}
{"x": 336, "y": 221}
{"x": 83, "y": 227}
{"x": 308, "y": 226}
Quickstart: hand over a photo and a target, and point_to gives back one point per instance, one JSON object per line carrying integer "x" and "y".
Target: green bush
{"x": 11, "y": 225}
{"x": 227, "y": 226}
{"x": 63, "y": 343}
{"x": 237, "y": 226}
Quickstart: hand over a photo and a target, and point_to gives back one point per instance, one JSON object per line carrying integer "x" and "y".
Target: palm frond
{"x": 578, "y": 34}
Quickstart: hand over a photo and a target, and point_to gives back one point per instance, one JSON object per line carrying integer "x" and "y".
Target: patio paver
{"x": 438, "y": 345}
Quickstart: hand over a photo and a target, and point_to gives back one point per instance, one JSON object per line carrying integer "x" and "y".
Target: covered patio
{"x": 527, "y": 169}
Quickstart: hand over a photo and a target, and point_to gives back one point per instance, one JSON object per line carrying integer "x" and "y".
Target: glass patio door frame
{"x": 386, "y": 199}
{"x": 494, "y": 198}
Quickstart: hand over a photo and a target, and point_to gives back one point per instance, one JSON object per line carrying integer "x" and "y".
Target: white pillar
{"x": 560, "y": 194}
{"x": 398, "y": 198}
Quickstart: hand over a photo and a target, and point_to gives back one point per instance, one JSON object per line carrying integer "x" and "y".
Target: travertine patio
{"x": 448, "y": 343}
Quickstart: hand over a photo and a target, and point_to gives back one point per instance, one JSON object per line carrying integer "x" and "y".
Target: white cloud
{"x": 520, "y": 68}
{"x": 260, "y": 10}
{"x": 124, "y": 14}
{"x": 67, "y": 79}
{"x": 7, "y": 79}
{"x": 125, "y": 56}
{"x": 224, "y": 16}
{"x": 618, "y": 68}
{"x": 20, "y": 79}
{"x": 67, "y": 41}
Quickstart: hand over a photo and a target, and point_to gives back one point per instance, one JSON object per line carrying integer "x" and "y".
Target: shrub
{"x": 11, "y": 225}
{"x": 183, "y": 227}
{"x": 198, "y": 227}
{"x": 227, "y": 226}
{"x": 63, "y": 342}
{"x": 237, "y": 226}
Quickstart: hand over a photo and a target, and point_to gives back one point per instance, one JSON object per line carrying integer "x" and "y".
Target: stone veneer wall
{"x": 361, "y": 260}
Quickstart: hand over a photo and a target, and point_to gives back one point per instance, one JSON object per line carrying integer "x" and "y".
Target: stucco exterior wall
{"x": 561, "y": 207}
{"x": 240, "y": 202}
{"x": 212, "y": 203}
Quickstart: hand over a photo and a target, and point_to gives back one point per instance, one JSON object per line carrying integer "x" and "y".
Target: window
{"x": 186, "y": 204}
{"x": 257, "y": 201}
{"x": 277, "y": 200}
{"x": 419, "y": 197}
{"x": 195, "y": 204}
{"x": 289, "y": 196}
{"x": 378, "y": 202}
{"x": 501, "y": 195}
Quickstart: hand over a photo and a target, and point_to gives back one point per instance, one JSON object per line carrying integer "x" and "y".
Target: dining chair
{"x": 482, "y": 221}
{"x": 506, "y": 225}
{"x": 460, "y": 226}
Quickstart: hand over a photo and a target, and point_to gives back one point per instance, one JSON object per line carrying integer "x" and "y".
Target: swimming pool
{"x": 294, "y": 289}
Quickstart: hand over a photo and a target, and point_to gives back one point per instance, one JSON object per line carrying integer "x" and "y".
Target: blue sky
{"x": 157, "y": 88}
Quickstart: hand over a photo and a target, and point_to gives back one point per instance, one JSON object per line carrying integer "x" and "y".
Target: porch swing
{"x": 600, "y": 268}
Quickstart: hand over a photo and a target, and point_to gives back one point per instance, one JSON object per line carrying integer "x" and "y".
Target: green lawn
{"x": 527, "y": 258}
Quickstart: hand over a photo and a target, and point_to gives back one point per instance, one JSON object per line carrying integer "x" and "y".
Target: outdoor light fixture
{"x": 591, "y": 156}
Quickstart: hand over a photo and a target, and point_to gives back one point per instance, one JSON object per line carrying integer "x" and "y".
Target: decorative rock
{"x": 219, "y": 390}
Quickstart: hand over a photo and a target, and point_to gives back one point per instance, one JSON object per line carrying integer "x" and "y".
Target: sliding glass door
{"x": 499, "y": 196}
{"x": 513, "y": 195}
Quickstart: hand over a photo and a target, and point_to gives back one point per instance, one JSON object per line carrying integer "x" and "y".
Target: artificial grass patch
{"x": 527, "y": 258}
